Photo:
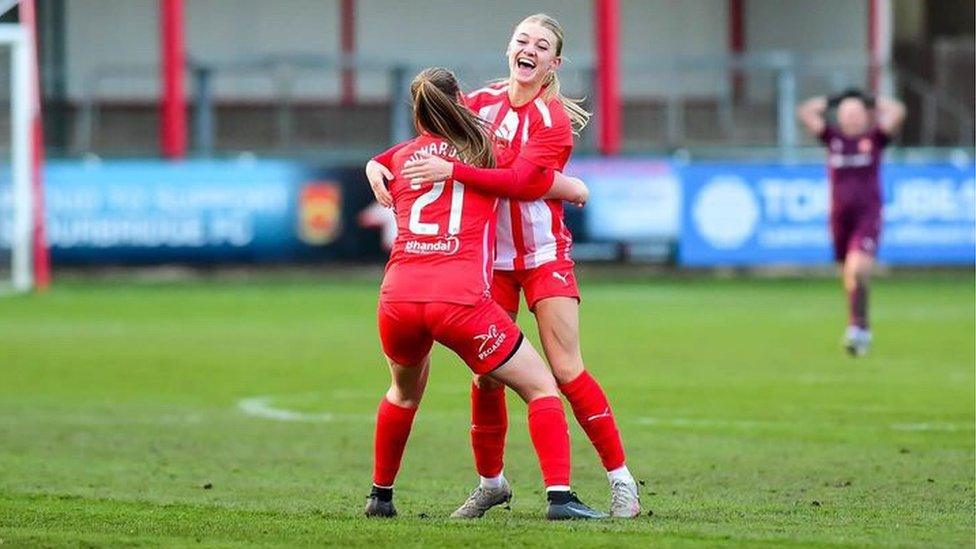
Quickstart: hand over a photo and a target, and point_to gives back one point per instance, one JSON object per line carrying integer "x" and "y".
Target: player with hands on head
{"x": 864, "y": 127}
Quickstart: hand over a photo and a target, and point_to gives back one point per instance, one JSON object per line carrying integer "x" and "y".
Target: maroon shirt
{"x": 852, "y": 165}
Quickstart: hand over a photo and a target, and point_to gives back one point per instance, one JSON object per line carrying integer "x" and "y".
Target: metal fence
{"x": 293, "y": 104}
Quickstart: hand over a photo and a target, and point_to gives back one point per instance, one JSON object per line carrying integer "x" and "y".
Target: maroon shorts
{"x": 483, "y": 335}
{"x": 855, "y": 232}
{"x": 553, "y": 279}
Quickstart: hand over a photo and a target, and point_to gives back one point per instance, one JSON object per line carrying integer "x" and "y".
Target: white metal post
{"x": 21, "y": 244}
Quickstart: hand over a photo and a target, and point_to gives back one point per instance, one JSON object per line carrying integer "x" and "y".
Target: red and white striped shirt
{"x": 530, "y": 233}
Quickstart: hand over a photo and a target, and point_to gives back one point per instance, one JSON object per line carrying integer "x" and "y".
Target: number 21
{"x": 457, "y": 204}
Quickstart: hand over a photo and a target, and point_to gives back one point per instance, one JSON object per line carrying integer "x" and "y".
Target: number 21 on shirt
{"x": 454, "y": 221}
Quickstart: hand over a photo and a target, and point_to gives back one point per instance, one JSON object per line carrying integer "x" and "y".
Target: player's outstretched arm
{"x": 524, "y": 180}
{"x": 891, "y": 114}
{"x": 811, "y": 114}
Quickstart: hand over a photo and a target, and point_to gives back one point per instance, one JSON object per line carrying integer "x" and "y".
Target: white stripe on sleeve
{"x": 544, "y": 110}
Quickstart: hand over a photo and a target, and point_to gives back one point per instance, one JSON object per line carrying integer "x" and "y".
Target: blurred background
{"x": 235, "y": 131}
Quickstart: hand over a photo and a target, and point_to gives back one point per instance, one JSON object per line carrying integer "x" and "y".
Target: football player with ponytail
{"x": 529, "y": 114}
{"x": 437, "y": 287}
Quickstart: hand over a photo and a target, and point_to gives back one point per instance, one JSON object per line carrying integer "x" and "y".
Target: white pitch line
{"x": 261, "y": 407}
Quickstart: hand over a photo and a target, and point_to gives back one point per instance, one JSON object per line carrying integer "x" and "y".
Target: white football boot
{"x": 624, "y": 500}
{"x": 482, "y": 499}
{"x": 857, "y": 341}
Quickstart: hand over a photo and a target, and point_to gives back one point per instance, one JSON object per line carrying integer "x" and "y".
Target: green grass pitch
{"x": 131, "y": 414}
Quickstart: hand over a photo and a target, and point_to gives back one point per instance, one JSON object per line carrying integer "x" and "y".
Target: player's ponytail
{"x": 578, "y": 116}
{"x": 436, "y": 110}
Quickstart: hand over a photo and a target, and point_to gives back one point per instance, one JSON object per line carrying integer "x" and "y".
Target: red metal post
{"x": 41, "y": 257}
{"x": 172, "y": 128}
{"x": 874, "y": 29}
{"x": 737, "y": 43}
{"x": 608, "y": 107}
{"x": 347, "y": 38}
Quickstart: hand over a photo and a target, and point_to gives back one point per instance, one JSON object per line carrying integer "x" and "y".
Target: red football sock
{"x": 392, "y": 430}
{"x": 550, "y": 437}
{"x": 592, "y": 411}
{"x": 489, "y": 425}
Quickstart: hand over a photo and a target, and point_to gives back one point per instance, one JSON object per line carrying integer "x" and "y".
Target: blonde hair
{"x": 437, "y": 111}
{"x": 578, "y": 116}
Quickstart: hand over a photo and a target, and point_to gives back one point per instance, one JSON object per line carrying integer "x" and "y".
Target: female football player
{"x": 528, "y": 113}
{"x": 864, "y": 128}
{"x": 437, "y": 288}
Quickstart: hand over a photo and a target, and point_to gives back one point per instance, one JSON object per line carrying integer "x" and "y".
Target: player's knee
{"x": 856, "y": 274}
{"x": 850, "y": 281}
{"x": 405, "y": 397}
{"x": 564, "y": 356}
{"x": 541, "y": 389}
{"x": 561, "y": 338}
{"x": 567, "y": 368}
{"x": 487, "y": 383}
{"x": 537, "y": 384}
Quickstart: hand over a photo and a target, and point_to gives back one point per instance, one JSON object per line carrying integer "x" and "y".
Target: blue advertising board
{"x": 766, "y": 214}
{"x": 631, "y": 200}
{"x": 150, "y": 212}
{"x": 193, "y": 211}
{"x": 122, "y": 211}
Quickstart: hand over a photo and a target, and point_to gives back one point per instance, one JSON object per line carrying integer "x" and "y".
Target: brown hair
{"x": 578, "y": 116}
{"x": 436, "y": 110}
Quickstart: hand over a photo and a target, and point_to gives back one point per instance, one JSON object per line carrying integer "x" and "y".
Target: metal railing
{"x": 677, "y": 103}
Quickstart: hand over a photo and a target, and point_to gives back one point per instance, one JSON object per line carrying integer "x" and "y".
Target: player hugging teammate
{"x": 864, "y": 126}
{"x": 534, "y": 125}
{"x": 437, "y": 288}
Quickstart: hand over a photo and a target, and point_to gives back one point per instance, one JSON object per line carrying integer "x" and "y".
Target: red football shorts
{"x": 483, "y": 335}
{"x": 855, "y": 232}
{"x": 553, "y": 279}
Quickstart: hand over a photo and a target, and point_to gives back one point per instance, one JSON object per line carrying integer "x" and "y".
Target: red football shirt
{"x": 530, "y": 233}
{"x": 445, "y": 235}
